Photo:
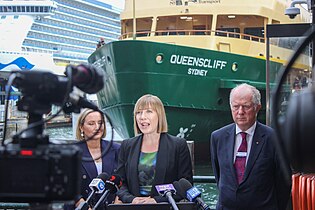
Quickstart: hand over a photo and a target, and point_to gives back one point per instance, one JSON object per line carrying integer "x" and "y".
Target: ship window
{"x": 254, "y": 31}
{"x": 143, "y": 26}
{"x": 228, "y": 32}
{"x": 184, "y": 25}
{"x": 179, "y": 2}
{"x": 199, "y": 30}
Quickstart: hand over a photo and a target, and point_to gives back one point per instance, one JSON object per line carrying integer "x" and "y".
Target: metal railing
{"x": 204, "y": 179}
{"x": 194, "y": 33}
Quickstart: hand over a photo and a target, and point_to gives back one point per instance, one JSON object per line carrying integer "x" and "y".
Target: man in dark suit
{"x": 244, "y": 159}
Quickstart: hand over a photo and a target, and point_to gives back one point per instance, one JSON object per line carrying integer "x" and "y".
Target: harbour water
{"x": 208, "y": 190}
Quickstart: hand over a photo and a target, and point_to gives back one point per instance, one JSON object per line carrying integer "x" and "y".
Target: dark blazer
{"x": 88, "y": 170}
{"x": 263, "y": 186}
{"x": 173, "y": 163}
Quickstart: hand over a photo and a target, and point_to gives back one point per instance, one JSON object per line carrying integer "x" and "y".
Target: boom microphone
{"x": 112, "y": 186}
{"x": 193, "y": 194}
{"x": 87, "y": 78}
{"x": 76, "y": 103}
{"x": 166, "y": 190}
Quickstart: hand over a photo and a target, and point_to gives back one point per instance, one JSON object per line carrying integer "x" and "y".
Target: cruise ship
{"x": 68, "y": 29}
{"x": 49, "y": 34}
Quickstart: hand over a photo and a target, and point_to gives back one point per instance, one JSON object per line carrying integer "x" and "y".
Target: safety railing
{"x": 193, "y": 32}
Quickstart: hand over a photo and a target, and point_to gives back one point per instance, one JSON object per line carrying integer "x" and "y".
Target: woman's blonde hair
{"x": 154, "y": 103}
{"x": 81, "y": 120}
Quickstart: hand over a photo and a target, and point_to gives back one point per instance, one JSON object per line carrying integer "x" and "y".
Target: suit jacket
{"x": 88, "y": 170}
{"x": 264, "y": 185}
{"x": 173, "y": 163}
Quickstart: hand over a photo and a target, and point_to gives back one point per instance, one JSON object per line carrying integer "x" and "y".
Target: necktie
{"x": 240, "y": 160}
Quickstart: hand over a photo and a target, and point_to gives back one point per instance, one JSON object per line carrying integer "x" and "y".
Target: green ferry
{"x": 189, "y": 53}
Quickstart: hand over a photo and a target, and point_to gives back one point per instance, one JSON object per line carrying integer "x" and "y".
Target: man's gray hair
{"x": 256, "y": 94}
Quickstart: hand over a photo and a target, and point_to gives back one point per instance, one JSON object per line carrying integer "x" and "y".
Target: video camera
{"x": 32, "y": 169}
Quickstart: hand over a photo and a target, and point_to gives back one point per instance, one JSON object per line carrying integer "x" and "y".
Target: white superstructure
{"x": 67, "y": 29}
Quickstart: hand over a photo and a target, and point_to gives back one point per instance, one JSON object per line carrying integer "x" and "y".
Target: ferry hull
{"x": 194, "y": 85}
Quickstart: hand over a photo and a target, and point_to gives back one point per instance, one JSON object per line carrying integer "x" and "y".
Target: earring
{"x": 82, "y": 134}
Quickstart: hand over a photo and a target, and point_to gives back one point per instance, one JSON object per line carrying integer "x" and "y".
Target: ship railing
{"x": 194, "y": 32}
{"x": 204, "y": 179}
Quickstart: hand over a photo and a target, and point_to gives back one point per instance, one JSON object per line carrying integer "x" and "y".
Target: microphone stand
{"x": 101, "y": 199}
{"x": 171, "y": 200}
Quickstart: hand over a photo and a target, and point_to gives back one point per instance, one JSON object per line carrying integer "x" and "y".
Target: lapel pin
{"x": 257, "y": 142}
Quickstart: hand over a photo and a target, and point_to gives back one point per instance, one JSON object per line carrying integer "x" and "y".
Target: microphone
{"x": 87, "y": 78}
{"x": 97, "y": 185}
{"x": 76, "y": 103}
{"x": 166, "y": 190}
{"x": 193, "y": 194}
{"x": 179, "y": 190}
{"x": 112, "y": 186}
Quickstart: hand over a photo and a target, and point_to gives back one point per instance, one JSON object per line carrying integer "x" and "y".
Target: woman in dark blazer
{"x": 153, "y": 157}
{"x": 98, "y": 155}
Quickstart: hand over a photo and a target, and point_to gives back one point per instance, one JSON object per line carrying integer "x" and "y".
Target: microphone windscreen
{"x": 103, "y": 176}
{"x": 185, "y": 184}
{"x": 113, "y": 183}
{"x": 179, "y": 190}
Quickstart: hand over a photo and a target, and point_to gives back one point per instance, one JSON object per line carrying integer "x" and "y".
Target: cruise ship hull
{"x": 194, "y": 85}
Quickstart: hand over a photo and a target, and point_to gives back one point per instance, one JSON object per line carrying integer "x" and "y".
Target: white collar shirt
{"x": 249, "y": 137}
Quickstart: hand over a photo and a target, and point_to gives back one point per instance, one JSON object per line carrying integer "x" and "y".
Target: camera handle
{"x": 33, "y": 134}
